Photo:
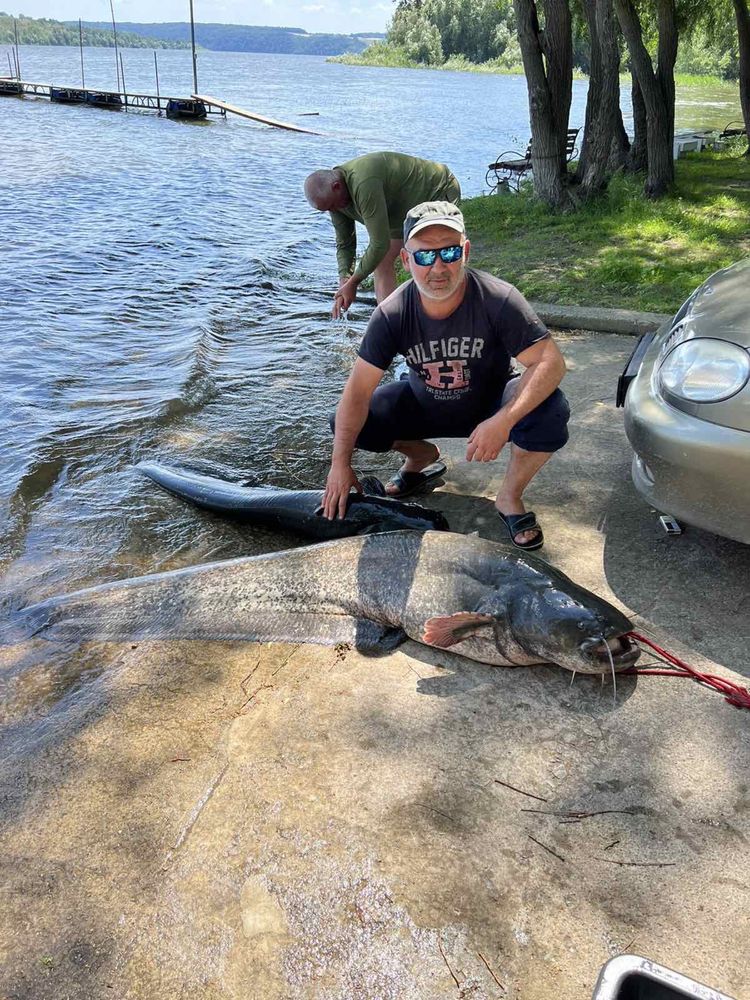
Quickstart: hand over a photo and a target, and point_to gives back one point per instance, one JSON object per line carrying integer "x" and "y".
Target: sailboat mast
{"x": 192, "y": 43}
{"x": 117, "y": 54}
{"x": 80, "y": 45}
{"x": 18, "y": 57}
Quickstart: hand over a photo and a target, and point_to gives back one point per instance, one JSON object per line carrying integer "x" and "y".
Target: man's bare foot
{"x": 418, "y": 455}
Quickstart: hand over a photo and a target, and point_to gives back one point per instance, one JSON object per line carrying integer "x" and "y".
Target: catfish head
{"x": 573, "y": 628}
{"x": 548, "y": 619}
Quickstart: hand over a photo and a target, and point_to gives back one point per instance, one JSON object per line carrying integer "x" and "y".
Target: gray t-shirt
{"x": 462, "y": 362}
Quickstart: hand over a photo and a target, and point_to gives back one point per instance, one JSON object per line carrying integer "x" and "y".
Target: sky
{"x": 337, "y": 16}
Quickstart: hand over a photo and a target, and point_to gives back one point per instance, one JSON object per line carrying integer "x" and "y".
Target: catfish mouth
{"x": 601, "y": 654}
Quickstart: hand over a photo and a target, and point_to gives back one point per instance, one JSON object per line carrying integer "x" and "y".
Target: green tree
{"x": 656, "y": 85}
{"x": 545, "y": 35}
{"x": 416, "y": 35}
{"x": 43, "y": 31}
{"x": 742, "y": 14}
{"x": 477, "y": 30}
{"x": 605, "y": 142}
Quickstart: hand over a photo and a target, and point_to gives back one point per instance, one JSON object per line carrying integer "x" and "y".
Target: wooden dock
{"x": 213, "y": 102}
{"x": 193, "y": 107}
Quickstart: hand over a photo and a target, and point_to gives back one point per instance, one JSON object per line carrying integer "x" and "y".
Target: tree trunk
{"x": 657, "y": 88}
{"x": 603, "y": 101}
{"x": 545, "y": 144}
{"x": 592, "y": 97}
{"x": 638, "y": 158}
{"x": 619, "y": 151}
{"x": 743, "y": 31}
{"x": 666, "y": 58}
{"x": 557, "y": 45}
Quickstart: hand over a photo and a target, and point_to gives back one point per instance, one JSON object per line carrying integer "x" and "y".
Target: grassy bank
{"x": 380, "y": 54}
{"x": 686, "y": 80}
{"x": 622, "y": 250}
{"x": 393, "y": 57}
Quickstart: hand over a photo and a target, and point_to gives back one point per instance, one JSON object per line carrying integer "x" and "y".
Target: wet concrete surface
{"x": 273, "y": 821}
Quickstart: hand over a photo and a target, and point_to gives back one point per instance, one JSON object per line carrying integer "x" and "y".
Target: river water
{"x": 165, "y": 290}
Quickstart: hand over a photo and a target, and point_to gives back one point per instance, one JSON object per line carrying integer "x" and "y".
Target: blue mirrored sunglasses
{"x": 426, "y": 258}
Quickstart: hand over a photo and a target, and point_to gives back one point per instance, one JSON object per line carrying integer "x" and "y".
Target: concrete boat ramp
{"x": 259, "y": 822}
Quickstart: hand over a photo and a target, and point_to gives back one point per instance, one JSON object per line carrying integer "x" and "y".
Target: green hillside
{"x": 250, "y": 38}
{"x": 44, "y": 31}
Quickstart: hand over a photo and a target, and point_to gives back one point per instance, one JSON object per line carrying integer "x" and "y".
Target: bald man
{"x": 376, "y": 189}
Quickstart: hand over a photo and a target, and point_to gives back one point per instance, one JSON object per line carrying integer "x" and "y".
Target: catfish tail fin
{"x": 21, "y": 624}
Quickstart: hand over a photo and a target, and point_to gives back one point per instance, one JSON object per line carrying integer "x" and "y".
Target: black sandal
{"x": 518, "y": 523}
{"x": 407, "y": 483}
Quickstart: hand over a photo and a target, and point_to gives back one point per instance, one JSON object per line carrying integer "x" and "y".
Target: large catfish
{"x": 300, "y": 511}
{"x": 478, "y": 597}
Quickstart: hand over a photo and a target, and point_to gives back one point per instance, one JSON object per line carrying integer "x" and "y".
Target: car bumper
{"x": 690, "y": 468}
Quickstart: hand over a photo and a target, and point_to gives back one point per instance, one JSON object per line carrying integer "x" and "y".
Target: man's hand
{"x": 488, "y": 439}
{"x": 344, "y": 297}
{"x": 340, "y": 480}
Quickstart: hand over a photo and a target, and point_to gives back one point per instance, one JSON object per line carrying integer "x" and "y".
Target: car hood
{"x": 719, "y": 307}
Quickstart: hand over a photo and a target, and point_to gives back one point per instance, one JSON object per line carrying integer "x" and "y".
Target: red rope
{"x": 735, "y": 694}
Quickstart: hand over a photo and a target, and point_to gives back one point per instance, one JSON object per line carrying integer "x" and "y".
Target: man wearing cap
{"x": 376, "y": 189}
{"x": 457, "y": 329}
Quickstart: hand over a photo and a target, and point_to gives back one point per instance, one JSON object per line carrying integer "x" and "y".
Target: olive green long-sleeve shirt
{"x": 383, "y": 187}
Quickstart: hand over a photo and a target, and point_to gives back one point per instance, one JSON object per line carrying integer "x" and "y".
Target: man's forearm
{"x": 345, "y": 265}
{"x": 346, "y": 244}
{"x": 353, "y": 281}
{"x": 350, "y": 419}
{"x": 345, "y": 258}
{"x": 376, "y": 251}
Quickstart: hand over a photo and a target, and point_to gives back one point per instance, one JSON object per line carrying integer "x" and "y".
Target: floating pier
{"x": 214, "y": 102}
{"x": 194, "y": 107}
{"x": 10, "y": 88}
{"x": 172, "y": 107}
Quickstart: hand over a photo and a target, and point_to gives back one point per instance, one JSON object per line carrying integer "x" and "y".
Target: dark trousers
{"x": 396, "y": 414}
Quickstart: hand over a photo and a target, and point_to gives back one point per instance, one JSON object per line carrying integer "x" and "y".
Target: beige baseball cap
{"x": 433, "y": 213}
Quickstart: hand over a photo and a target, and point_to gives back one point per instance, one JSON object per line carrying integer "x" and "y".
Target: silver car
{"x": 686, "y": 392}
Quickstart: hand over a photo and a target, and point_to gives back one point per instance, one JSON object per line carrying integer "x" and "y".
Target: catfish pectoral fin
{"x": 378, "y": 640}
{"x": 447, "y": 630}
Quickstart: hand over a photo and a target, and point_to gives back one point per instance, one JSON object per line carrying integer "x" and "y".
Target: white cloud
{"x": 314, "y": 8}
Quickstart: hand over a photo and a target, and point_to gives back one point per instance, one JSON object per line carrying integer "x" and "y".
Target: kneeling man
{"x": 458, "y": 329}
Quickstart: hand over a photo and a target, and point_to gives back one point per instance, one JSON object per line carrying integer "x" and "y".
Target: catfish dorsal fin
{"x": 447, "y": 630}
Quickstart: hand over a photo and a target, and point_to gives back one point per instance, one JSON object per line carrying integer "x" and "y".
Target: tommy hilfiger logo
{"x": 460, "y": 348}
{"x": 446, "y": 374}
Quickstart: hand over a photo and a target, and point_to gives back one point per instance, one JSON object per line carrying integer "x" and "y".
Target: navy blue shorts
{"x": 396, "y": 415}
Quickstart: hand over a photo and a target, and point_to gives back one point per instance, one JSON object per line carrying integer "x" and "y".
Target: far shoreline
{"x": 460, "y": 65}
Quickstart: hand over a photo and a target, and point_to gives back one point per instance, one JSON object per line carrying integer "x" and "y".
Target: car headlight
{"x": 704, "y": 370}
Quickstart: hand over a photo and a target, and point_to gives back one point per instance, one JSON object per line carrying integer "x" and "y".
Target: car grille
{"x": 675, "y": 337}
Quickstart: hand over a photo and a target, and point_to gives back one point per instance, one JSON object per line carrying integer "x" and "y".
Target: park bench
{"x": 511, "y": 167}
{"x": 732, "y": 129}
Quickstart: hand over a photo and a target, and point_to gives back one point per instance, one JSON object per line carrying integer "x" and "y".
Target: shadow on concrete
{"x": 695, "y": 586}
{"x": 575, "y": 693}
{"x": 467, "y": 514}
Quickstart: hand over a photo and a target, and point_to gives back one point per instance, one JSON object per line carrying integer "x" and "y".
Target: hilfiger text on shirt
{"x": 464, "y": 348}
